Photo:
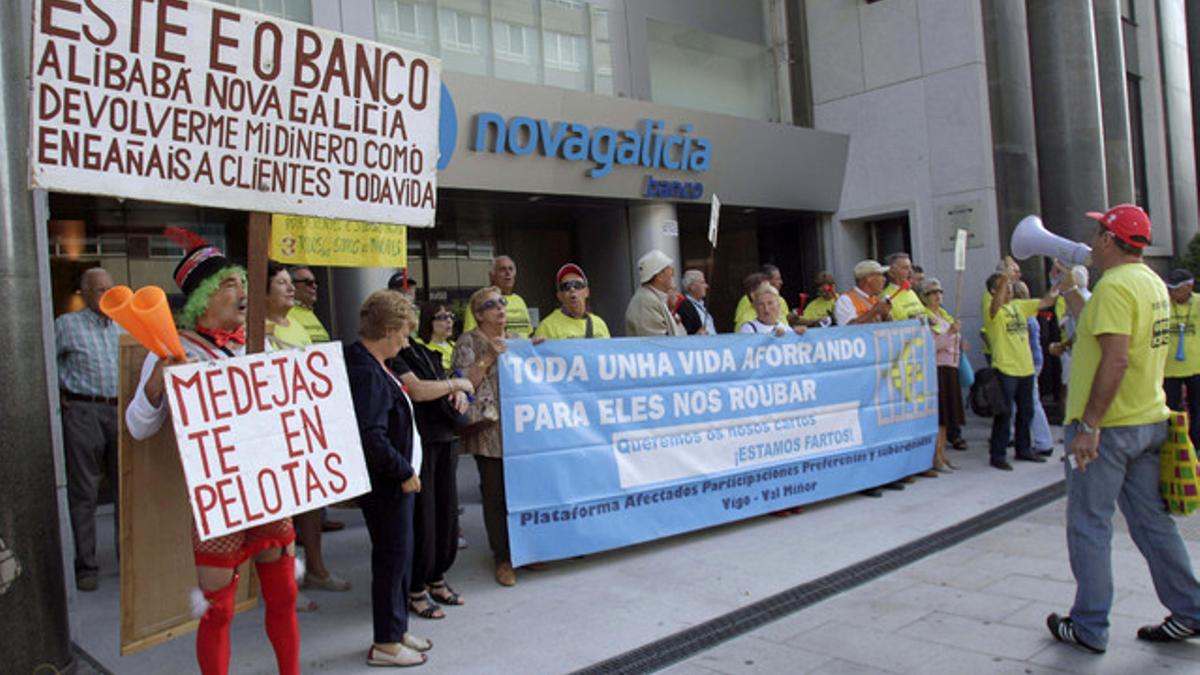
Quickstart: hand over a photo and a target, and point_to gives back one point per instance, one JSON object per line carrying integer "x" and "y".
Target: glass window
{"x": 407, "y": 23}
{"x": 563, "y": 43}
{"x": 299, "y": 11}
{"x": 696, "y": 69}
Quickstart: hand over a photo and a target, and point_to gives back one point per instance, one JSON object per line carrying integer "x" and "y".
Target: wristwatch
{"x": 1086, "y": 428}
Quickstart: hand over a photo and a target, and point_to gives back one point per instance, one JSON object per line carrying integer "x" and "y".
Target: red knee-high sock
{"x": 279, "y": 594}
{"x": 212, "y": 638}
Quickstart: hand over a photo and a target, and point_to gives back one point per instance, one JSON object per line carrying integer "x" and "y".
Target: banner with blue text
{"x": 609, "y": 443}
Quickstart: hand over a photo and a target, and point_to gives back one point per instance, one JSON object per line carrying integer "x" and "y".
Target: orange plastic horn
{"x": 150, "y": 306}
{"x": 117, "y": 303}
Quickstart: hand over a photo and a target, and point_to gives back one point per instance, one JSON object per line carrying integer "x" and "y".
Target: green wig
{"x": 197, "y": 302}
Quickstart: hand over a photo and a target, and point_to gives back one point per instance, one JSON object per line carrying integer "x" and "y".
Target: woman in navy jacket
{"x": 393, "y": 453}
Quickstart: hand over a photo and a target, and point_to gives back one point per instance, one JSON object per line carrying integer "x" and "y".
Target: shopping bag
{"x": 966, "y": 372}
{"x": 1178, "y": 479}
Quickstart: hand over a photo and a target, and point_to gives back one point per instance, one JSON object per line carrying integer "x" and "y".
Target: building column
{"x": 1014, "y": 140}
{"x": 1114, "y": 101}
{"x": 349, "y": 286}
{"x": 1066, "y": 96}
{"x": 653, "y": 225}
{"x": 34, "y": 632}
{"x": 1177, "y": 106}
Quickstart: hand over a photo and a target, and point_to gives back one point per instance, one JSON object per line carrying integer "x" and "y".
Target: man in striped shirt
{"x": 86, "y": 343}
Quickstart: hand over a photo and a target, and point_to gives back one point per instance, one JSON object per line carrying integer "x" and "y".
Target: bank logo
{"x": 447, "y": 129}
{"x": 906, "y": 388}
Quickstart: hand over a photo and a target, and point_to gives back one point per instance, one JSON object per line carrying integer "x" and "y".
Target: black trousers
{"x": 389, "y": 520}
{"x": 435, "y": 519}
{"x": 1174, "y": 387}
{"x": 495, "y": 507}
{"x": 1019, "y": 392}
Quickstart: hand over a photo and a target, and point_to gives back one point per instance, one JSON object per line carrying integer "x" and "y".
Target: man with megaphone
{"x": 1116, "y": 422}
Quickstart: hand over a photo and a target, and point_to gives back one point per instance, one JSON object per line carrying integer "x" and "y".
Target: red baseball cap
{"x": 1127, "y": 222}
{"x": 569, "y": 268}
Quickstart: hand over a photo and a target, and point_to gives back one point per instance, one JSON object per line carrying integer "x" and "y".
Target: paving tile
{"x": 976, "y": 635}
{"x": 877, "y": 649}
{"x": 844, "y": 667}
{"x": 988, "y": 606}
{"x": 960, "y": 661}
{"x": 1032, "y": 588}
{"x": 753, "y": 655}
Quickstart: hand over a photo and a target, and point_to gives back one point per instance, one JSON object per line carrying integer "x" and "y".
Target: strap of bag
{"x": 587, "y": 332}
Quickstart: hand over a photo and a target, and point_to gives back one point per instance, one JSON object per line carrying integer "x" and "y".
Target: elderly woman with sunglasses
{"x": 476, "y": 356}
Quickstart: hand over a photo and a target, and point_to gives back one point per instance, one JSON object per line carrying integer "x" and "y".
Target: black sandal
{"x": 444, "y": 595}
{"x": 431, "y": 610}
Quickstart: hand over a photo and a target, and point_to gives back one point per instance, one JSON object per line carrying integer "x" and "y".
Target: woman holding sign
{"x": 949, "y": 345}
{"x": 215, "y": 310}
{"x": 393, "y": 452}
{"x": 476, "y": 355}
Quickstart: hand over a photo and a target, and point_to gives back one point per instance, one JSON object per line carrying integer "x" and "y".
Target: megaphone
{"x": 1032, "y": 238}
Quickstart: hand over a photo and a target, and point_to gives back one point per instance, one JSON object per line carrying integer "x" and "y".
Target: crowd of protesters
{"x": 423, "y": 395}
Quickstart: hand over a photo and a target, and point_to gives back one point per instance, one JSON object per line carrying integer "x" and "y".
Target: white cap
{"x": 867, "y": 268}
{"x": 651, "y": 264}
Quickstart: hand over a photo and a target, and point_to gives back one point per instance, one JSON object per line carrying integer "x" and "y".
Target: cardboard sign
{"x": 297, "y": 240}
{"x": 265, "y": 436}
{"x": 197, "y": 103}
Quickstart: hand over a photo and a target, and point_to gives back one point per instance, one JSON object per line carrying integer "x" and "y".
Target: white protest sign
{"x": 960, "y": 250}
{"x": 714, "y": 216}
{"x": 265, "y": 436}
{"x": 192, "y": 102}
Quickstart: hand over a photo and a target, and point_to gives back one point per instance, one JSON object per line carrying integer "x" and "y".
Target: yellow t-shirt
{"x": 305, "y": 317}
{"x": 1008, "y": 333}
{"x": 819, "y": 308}
{"x": 292, "y": 335}
{"x": 745, "y": 312}
{"x": 1184, "y": 316}
{"x": 559, "y": 326}
{"x": 906, "y": 304}
{"x": 518, "y": 317}
{"x": 1129, "y": 300}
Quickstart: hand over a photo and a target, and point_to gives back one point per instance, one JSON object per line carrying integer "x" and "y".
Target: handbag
{"x": 1178, "y": 479}
{"x": 966, "y": 372}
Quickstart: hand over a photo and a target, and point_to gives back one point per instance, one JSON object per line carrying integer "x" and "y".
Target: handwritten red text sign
{"x": 188, "y": 101}
{"x": 265, "y": 436}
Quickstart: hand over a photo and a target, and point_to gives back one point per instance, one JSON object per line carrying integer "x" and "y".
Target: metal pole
{"x": 34, "y": 633}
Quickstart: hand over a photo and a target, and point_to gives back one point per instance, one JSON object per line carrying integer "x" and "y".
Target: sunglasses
{"x": 443, "y": 317}
{"x": 493, "y": 303}
{"x": 573, "y": 285}
{"x": 305, "y": 282}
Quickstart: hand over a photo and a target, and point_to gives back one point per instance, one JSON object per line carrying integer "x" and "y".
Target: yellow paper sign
{"x": 300, "y": 240}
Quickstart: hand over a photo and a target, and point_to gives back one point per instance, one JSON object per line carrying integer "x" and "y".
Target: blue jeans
{"x": 1125, "y": 473}
{"x": 1019, "y": 393}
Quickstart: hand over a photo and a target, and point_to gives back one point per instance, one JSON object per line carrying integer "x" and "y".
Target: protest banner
{"x": 612, "y": 442}
{"x": 193, "y": 102}
{"x": 264, "y": 436}
{"x": 299, "y": 240}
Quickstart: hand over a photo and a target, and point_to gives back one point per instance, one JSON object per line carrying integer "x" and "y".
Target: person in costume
{"x": 213, "y": 321}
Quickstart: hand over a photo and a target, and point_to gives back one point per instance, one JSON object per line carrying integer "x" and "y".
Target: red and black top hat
{"x": 201, "y": 261}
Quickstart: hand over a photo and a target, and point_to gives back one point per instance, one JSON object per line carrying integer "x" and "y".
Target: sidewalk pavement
{"x": 978, "y": 606}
